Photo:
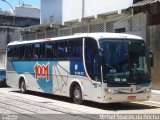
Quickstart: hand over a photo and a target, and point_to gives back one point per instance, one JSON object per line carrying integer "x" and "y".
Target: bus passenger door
{"x": 92, "y": 63}
{"x": 96, "y": 80}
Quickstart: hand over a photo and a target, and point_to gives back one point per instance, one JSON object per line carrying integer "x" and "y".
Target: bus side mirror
{"x": 101, "y": 56}
{"x": 151, "y": 59}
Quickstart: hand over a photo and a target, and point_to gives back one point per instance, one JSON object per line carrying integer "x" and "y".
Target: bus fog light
{"x": 110, "y": 98}
{"x": 107, "y": 98}
{"x": 147, "y": 90}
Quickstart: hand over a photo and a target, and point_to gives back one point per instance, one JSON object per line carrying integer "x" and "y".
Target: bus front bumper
{"x": 113, "y": 98}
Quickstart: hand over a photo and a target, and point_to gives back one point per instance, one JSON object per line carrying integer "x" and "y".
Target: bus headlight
{"x": 147, "y": 90}
{"x": 109, "y": 90}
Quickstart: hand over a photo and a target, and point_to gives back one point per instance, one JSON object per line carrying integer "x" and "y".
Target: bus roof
{"x": 97, "y": 36}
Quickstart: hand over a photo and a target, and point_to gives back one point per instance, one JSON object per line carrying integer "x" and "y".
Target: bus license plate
{"x": 131, "y": 97}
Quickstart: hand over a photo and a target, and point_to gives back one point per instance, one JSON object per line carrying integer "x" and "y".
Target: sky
{"x": 15, "y": 3}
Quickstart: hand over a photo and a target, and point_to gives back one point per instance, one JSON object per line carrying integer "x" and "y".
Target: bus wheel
{"x": 23, "y": 87}
{"x": 77, "y": 94}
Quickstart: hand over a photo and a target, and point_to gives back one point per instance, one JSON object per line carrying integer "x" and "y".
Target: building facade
{"x": 141, "y": 18}
{"x": 61, "y": 11}
{"x": 9, "y": 30}
{"x": 51, "y": 11}
{"x": 28, "y": 11}
{"x": 112, "y": 17}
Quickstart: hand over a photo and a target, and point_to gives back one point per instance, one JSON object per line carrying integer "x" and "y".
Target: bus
{"x": 99, "y": 67}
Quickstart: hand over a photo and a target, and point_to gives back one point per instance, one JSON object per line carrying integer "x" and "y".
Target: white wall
{"x": 70, "y": 10}
{"x": 93, "y": 7}
{"x": 27, "y": 12}
{"x": 2, "y": 60}
{"x": 135, "y": 25}
{"x": 51, "y": 11}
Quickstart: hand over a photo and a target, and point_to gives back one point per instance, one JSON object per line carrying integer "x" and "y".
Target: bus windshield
{"x": 124, "y": 61}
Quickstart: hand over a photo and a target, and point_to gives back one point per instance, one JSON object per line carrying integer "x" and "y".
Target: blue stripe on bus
{"x": 22, "y": 67}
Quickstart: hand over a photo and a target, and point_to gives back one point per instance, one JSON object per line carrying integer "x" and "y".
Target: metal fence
{"x": 65, "y": 31}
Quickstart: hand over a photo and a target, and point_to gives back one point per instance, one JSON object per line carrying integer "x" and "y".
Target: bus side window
{"x": 48, "y": 50}
{"x": 55, "y": 49}
{"x": 27, "y": 51}
{"x": 71, "y": 49}
{"x": 42, "y": 50}
{"x": 21, "y": 56}
{"x": 36, "y": 51}
{"x": 78, "y": 48}
{"x": 16, "y": 52}
{"x": 61, "y": 50}
{"x": 10, "y": 52}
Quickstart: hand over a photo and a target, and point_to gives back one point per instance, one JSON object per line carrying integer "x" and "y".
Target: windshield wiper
{"x": 109, "y": 66}
{"x": 135, "y": 73}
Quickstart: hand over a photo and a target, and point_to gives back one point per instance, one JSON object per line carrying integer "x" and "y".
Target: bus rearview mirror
{"x": 151, "y": 59}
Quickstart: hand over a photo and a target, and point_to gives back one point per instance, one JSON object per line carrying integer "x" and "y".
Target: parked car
{"x": 2, "y": 77}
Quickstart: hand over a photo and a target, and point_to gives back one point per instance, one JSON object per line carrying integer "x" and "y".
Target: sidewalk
{"x": 156, "y": 91}
{"x": 155, "y": 96}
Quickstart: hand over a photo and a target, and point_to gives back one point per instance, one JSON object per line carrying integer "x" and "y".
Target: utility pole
{"x": 13, "y": 12}
{"x": 83, "y": 7}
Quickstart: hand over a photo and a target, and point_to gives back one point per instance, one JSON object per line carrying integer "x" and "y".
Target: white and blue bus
{"x": 100, "y": 67}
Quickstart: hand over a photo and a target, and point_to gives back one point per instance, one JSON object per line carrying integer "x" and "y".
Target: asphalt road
{"x": 38, "y": 106}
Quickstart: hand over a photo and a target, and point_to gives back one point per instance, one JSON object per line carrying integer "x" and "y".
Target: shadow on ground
{"x": 107, "y": 106}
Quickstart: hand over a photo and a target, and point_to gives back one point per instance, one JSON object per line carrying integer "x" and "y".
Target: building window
{"x": 135, "y": 1}
{"x": 120, "y": 30}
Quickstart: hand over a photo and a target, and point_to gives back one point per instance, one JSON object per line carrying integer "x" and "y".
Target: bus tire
{"x": 23, "y": 87}
{"x": 77, "y": 94}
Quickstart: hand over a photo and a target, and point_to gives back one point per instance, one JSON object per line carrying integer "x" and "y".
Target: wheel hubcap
{"x": 77, "y": 94}
{"x": 22, "y": 86}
